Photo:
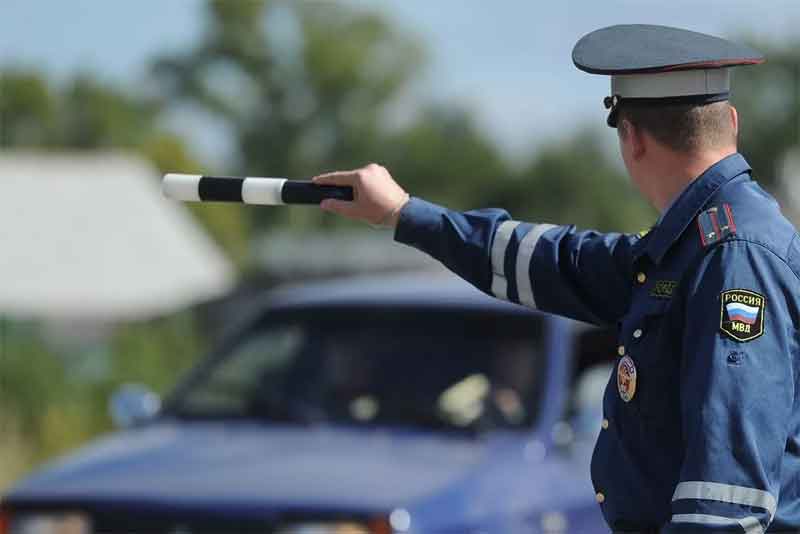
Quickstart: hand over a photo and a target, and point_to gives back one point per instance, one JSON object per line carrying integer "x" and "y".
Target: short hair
{"x": 685, "y": 128}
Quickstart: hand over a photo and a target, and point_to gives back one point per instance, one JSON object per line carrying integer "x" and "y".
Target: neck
{"x": 676, "y": 171}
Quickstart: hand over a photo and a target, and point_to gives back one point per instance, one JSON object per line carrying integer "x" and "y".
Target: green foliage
{"x": 16, "y": 457}
{"x": 155, "y": 353}
{"x": 31, "y": 377}
{"x": 306, "y": 87}
{"x": 768, "y": 100}
{"x": 48, "y": 406}
{"x": 84, "y": 114}
{"x": 444, "y": 157}
{"x": 43, "y": 410}
{"x": 303, "y": 86}
{"x": 28, "y": 115}
{"x": 96, "y": 116}
{"x": 574, "y": 182}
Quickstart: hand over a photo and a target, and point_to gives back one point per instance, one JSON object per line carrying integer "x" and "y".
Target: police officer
{"x": 701, "y": 428}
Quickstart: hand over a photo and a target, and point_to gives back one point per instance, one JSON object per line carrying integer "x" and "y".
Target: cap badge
{"x": 610, "y": 101}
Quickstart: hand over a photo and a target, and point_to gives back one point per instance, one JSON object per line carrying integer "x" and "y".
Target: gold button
{"x": 641, "y": 278}
{"x": 600, "y": 497}
{"x": 621, "y": 350}
{"x": 604, "y": 424}
{"x": 637, "y": 333}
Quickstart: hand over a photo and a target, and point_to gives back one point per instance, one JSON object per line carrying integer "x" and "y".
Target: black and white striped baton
{"x": 264, "y": 191}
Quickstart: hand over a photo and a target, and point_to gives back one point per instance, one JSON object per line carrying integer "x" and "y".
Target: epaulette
{"x": 715, "y": 224}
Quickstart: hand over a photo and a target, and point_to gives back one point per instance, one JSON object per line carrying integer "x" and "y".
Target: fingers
{"x": 337, "y": 178}
{"x": 375, "y": 193}
{"x": 341, "y": 207}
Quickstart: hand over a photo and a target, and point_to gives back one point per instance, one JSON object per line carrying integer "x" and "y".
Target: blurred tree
{"x": 92, "y": 115}
{"x": 30, "y": 375}
{"x": 304, "y": 86}
{"x": 43, "y": 409}
{"x": 48, "y": 407}
{"x": 156, "y": 353}
{"x": 574, "y": 181}
{"x": 28, "y": 115}
{"x": 768, "y": 100}
{"x": 17, "y": 455}
{"x": 444, "y": 157}
{"x": 85, "y": 114}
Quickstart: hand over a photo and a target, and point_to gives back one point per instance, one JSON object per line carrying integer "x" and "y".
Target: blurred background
{"x": 469, "y": 104}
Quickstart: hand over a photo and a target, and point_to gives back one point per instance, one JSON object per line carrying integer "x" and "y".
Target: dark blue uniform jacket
{"x": 701, "y": 429}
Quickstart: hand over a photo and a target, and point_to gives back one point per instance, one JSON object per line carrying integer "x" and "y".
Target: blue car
{"x": 409, "y": 404}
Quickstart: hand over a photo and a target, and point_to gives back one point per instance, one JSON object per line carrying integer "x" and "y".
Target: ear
{"x": 734, "y": 119}
{"x": 634, "y": 137}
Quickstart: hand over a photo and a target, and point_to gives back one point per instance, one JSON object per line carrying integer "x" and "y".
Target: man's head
{"x": 669, "y": 99}
{"x": 649, "y": 135}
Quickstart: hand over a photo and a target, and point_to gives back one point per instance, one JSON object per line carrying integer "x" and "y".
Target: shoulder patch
{"x": 715, "y": 224}
{"x": 741, "y": 316}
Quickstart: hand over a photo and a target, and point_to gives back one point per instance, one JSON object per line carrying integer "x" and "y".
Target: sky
{"x": 508, "y": 61}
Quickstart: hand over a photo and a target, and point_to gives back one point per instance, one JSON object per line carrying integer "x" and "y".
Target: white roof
{"x": 88, "y": 235}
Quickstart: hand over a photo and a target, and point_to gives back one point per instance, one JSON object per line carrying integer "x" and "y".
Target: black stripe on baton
{"x": 306, "y": 192}
{"x": 229, "y": 189}
{"x": 220, "y": 189}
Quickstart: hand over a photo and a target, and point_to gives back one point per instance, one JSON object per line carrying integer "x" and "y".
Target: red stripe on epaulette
{"x": 702, "y": 233}
{"x": 729, "y": 213}
{"x": 712, "y": 214}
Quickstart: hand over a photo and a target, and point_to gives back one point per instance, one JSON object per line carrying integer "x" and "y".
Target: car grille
{"x": 128, "y": 525}
{"x": 117, "y": 523}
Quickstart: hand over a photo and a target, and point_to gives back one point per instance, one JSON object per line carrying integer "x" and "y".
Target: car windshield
{"x": 473, "y": 371}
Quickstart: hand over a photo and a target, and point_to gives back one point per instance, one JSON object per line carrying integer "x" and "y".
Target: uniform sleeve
{"x": 737, "y": 390}
{"x": 582, "y": 275}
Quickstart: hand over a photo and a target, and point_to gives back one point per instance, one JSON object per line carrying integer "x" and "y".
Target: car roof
{"x": 434, "y": 289}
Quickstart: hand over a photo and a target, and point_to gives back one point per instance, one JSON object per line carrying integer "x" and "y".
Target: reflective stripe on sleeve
{"x": 715, "y": 491}
{"x": 524, "y": 257}
{"x": 502, "y": 237}
{"x": 750, "y": 525}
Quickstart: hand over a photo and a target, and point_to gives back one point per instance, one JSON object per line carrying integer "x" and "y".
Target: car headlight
{"x": 324, "y": 528}
{"x": 62, "y": 523}
{"x": 381, "y": 525}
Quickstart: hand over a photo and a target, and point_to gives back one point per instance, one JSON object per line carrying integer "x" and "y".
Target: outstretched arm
{"x": 583, "y": 275}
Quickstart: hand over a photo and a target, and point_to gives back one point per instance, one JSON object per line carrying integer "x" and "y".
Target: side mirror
{"x": 563, "y": 436}
{"x": 133, "y": 404}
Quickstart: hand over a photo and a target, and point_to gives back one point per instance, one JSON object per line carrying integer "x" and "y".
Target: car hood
{"x": 255, "y": 466}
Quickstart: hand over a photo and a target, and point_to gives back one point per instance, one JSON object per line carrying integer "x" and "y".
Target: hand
{"x": 377, "y": 199}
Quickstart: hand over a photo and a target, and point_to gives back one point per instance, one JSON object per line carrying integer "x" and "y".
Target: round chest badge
{"x": 626, "y": 378}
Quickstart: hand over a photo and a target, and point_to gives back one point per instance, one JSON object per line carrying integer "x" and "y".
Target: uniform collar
{"x": 688, "y": 205}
